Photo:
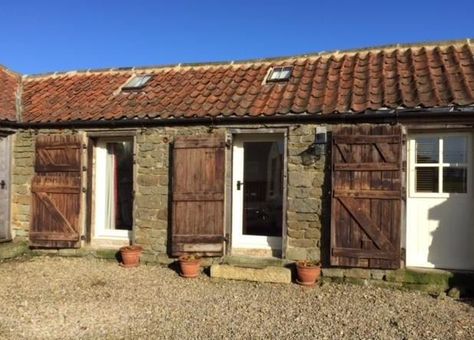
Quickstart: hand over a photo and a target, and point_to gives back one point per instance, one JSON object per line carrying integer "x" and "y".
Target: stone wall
{"x": 306, "y": 189}
{"x": 306, "y": 194}
{"x": 153, "y": 186}
{"x": 22, "y": 173}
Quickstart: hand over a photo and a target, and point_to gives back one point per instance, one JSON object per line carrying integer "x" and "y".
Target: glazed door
{"x": 4, "y": 188}
{"x": 257, "y": 191}
{"x": 440, "y": 215}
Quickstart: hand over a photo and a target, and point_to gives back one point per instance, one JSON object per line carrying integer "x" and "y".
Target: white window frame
{"x": 440, "y": 165}
{"x": 99, "y": 193}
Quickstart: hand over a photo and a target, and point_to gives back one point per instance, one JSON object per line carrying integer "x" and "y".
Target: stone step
{"x": 255, "y": 262}
{"x": 267, "y": 274}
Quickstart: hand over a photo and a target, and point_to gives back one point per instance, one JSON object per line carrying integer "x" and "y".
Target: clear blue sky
{"x": 42, "y": 36}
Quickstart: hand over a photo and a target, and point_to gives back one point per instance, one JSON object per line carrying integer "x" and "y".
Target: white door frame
{"x": 100, "y": 174}
{"x": 5, "y": 235}
{"x": 238, "y": 239}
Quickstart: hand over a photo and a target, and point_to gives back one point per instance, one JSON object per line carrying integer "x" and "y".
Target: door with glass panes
{"x": 257, "y": 193}
{"x": 440, "y": 209}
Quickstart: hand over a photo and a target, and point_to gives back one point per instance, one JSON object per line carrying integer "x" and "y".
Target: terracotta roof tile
{"x": 9, "y": 85}
{"x": 415, "y": 76}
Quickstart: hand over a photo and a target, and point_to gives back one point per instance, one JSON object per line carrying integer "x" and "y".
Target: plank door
{"x": 198, "y": 196}
{"x": 4, "y": 188}
{"x": 56, "y": 191}
{"x": 366, "y": 206}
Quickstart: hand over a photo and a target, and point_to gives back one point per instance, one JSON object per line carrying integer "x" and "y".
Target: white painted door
{"x": 257, "y": 191}
{"x": 4, "y": 188}
{"x": 440, "y": 205}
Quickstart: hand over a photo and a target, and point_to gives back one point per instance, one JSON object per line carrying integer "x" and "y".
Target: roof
{"x": 413, "y": 76}
{"x": 9, "y": 85}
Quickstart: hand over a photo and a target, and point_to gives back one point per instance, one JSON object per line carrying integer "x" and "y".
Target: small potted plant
{"x": 189, "y": 265}
{"x": 308, "y": 272}
{"x": 130, "y": 255}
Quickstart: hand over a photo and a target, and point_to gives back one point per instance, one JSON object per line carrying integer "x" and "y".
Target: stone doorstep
{"x": 422, "y": 279}
{"x": 255, "y": 261}
{"x": 268, "y": 274}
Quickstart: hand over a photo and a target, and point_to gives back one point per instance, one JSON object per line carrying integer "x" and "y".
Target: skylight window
{"x": 279, "y": 74}
{"x": 136, "y": 82}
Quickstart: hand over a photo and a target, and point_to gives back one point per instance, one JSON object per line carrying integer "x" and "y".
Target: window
{"x": 280, "y": 74}
{"x": 114, "y": 188}
{"x": 441, "y": 164}
{"x": 137, "y": 82}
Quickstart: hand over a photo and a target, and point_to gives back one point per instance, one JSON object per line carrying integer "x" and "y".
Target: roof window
{"x": 279, "y": 74}
{"x": 137, "y": 82}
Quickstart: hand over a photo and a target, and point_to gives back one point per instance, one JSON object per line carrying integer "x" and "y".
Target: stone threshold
{"x": 432, "y": 281}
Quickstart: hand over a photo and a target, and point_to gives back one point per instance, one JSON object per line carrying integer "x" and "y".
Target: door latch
{"x": 239, "y": 185}
{"x": 2, "y": 184}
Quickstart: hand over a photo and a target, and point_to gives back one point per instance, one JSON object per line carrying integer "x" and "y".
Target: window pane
{"x": 275, "y": 75}
{"x": 455, "y": 149}
{"x": 427, "y": 179}
{"x": 455, "y": 180}
{"x": 427, "y": 150}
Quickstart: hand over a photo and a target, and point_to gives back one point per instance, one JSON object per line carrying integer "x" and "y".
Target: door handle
{"x": 2, "y": 184}
{"x": 239, "y": 184}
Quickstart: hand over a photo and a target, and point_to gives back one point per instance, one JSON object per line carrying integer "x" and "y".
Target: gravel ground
{"x": 69, "y": 298}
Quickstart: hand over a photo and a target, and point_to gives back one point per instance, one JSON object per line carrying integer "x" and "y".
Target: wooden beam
{"x": 198, "y": 238}
{"x": 366, "y": 139}
{"x": 51, "y": 207}
{"x": 192, "y": 197}
{"x": 53, "y": 236}
{"x": 366, "y": 166}
{"x": 366, "y": 223}
{"x": 375, "y": 194}
{"x": 386, "y": 153}
{"x": 364, "y": 253}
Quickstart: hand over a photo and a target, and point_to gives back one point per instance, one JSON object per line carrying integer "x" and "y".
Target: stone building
{"x": 360, "y": 158}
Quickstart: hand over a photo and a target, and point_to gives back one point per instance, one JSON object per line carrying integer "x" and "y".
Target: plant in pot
{"x": 189, "y": 265}
{"x": 308, "y": 272}
{"x": 131, "y": 255}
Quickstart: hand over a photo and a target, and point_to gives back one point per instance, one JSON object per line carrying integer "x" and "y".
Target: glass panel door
{"x": 257, "y": 194}
{"x": 262, "y": 213}
{"x": 114, "y": 188}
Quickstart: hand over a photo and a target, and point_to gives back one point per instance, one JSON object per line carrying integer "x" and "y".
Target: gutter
{"x": 379, "y": 117}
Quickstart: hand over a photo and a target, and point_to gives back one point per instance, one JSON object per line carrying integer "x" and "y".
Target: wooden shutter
{"x": 367, "y": 191}
{"x": 198, "y": 196}
{"x": 56, "y": 190}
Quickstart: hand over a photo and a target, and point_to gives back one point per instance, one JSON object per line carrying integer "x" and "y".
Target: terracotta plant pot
{"x": 130, "y": 256}
{"x": 308, "y": 273}
{"x": 189, "y": 265}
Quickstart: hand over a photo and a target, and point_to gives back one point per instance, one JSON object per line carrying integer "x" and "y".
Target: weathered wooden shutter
{"x": 56, "y": 190}
{"x": 198, "y": 195}
{"x": 367, "y": 194}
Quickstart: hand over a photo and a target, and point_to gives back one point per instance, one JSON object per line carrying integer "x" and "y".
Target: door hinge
{"x": 226, "y": 238}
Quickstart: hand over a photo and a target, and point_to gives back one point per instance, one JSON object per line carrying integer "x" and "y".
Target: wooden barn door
{"x": 198, "y": 196}
{"x": 367, "y": 192}
{"x": 56, "y": 190}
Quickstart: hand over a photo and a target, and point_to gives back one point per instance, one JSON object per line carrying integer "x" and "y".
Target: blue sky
{"x": 43, "y": 36}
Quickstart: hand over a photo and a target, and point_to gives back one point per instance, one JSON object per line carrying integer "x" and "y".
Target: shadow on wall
{"x": 452, "y": 242}
{"x": 326, "y": 207}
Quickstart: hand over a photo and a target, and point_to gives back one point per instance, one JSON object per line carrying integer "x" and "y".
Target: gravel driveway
{"x": 69, "y": 298}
